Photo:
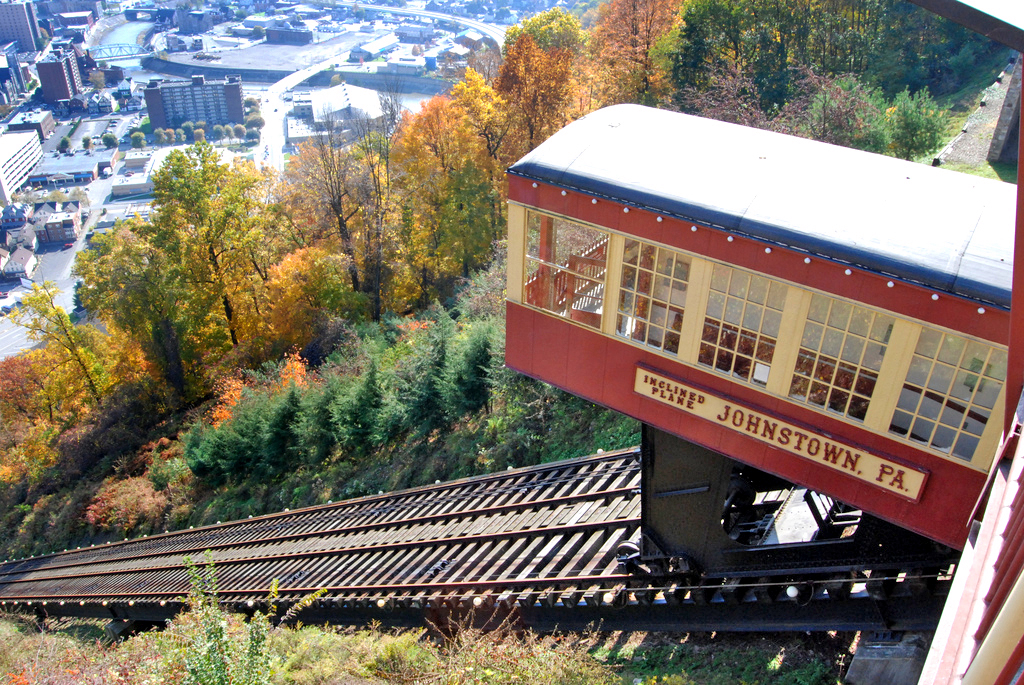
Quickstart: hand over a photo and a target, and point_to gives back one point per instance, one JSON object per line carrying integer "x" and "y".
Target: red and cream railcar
{"x": 835, "y": 318}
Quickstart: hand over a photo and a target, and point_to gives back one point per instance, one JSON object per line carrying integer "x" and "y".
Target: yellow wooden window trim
{"x": 516, "y": 253}
{"x": 612, "y": 283}
{"x": 891, "y": 376}
{"x": 697, "y": 288}
{"x": 787, "y": 345}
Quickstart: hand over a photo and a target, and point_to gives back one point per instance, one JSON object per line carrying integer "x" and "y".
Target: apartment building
{"x": 18, "y": 22}
{"x": 172, "y": 103}
{"x": 59, "y": 76}
{"x": 19, "y": 153}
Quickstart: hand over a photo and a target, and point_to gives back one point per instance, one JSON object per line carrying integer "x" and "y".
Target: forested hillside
{"x": 265, "y": 342}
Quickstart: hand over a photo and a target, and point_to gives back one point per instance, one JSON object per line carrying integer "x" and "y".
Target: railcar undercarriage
{"x": 713, "y": 521}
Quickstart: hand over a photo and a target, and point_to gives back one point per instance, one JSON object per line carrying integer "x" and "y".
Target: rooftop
{"x": 351, "y": 101}
{"x": 12, "y": 141}
{"x": 79, "y": 162}
{"x": 30, "y": 117}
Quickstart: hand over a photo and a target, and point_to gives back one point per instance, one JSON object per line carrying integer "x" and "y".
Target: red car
{"x": 68, "y": 246}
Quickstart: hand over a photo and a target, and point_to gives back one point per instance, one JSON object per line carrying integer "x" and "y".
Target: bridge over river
{"x": 118, "y": 51}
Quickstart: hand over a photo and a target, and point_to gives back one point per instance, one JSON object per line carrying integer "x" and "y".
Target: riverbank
{"x": 102, "y": 28}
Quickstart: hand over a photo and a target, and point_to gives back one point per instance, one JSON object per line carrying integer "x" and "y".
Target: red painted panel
{"x": 585, "y": 368}
{"x": 904, "y": 298}
{"x": 519, "y": 338}
{"x": 941, "y": 513}
{"x": 551, "y": 349}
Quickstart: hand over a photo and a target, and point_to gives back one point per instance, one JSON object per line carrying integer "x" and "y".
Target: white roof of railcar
{"x": 947, "y": 230}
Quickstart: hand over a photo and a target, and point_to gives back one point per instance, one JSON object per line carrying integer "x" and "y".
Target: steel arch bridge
{"x": 118, "y": 50}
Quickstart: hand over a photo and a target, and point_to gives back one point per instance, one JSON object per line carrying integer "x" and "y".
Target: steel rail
{"x": 332, "y": 510}
{"x": 336, "y": 532}
{"x": 346, "y": 551}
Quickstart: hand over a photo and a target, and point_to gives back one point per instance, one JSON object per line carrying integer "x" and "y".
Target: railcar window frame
{"x": 741, "y": 326}
{"x": 952, "y": 387}
{"x": 561, "y": 273}
{"x": 652, "y": 294}
{"x": 840, "y": 356}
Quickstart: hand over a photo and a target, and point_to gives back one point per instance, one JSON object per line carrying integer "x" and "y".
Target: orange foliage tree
{"x": 307, "y": 288}
{"x": 448, "y": 203}
{"x": 537, "y": 85}
{"x": 623, "y": 40}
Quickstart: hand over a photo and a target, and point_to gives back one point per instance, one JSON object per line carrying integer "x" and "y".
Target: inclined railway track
{"x": 540, "y": 542}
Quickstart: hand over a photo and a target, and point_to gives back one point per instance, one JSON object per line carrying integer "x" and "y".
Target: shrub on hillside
{"x": 125, "y": 505}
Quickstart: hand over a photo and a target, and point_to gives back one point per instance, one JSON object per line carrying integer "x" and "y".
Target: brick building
{"x": 18, "y": 22}
{"x": 59, "y": 76}
{"x": 171, "y": 103}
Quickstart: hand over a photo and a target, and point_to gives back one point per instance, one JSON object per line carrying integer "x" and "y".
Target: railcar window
{"x": 840, "y": 354}
{"x": 565, "y": 268}
{"x": 741, "y": 324}
{"x": 652, "y": 298}
{"x": 950, "y": 390}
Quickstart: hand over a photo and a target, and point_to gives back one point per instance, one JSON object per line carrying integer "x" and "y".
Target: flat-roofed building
{"x": 40, "y": 122}
{"x": 137, "y": 159}
{"x": 289, "y": 36}
{"x": 76, "y": 19}
{"x": 302, "y": 105}
{"x": 82, "y": 166}
{"x": 60, "y": 227}
{"x": 374, "y": 49}
{"x": 18, "y": 22}
{"x": 19, "y": 153}
{"x": 171, "y": 103}
{"x": 59, "y": 76}
{"x": 410, "y": 65}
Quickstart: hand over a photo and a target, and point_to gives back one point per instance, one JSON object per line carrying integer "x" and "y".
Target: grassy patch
{"x": 728, "y": 658}
{"x": 998, "y": 171}
{"x": 962, "y": 102}
{"x": 71, "y": 654}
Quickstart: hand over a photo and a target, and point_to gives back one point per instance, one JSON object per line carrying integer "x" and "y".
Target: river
{"x": 127, "y": 34}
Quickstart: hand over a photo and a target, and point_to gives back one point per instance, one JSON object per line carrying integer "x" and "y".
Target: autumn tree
{"x": 624, "y": 39}
{"x": 445, "y": 198}
{"x": 554, "y": 29}
{"x": 840, "y": 111}
{"x": 487, "y": 113}
{"x": 127, "y": 283}
{"x": 73, "y": 350}
{"x": 325, "y": 173}
{"x": 192, "y": 283}
{"x": 373, "y": 147}
{"x": 307, "y": 288}
{"x": 211, "y": 221}
{"x": 536, "y": 85}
